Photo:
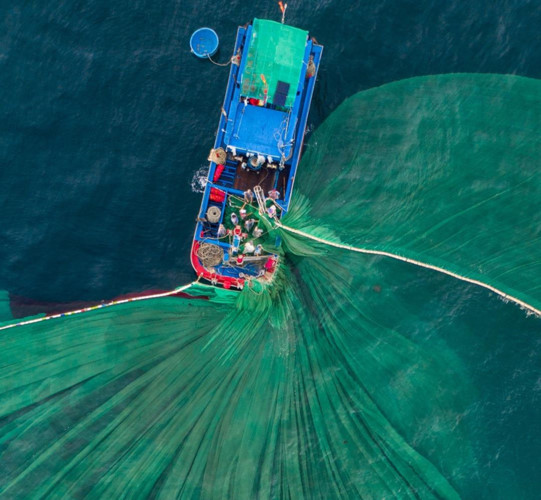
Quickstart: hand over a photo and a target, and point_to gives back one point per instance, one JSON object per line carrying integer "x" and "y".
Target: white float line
{"x": 98, "y": 306}
{"x": 415, "y": 262}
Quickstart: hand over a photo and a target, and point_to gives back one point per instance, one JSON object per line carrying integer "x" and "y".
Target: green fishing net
{"x": 337, "y": 381}
{"x": 445, "y": 170}
{"x": 221, "y": 398}
{"x": 275, "y": 55}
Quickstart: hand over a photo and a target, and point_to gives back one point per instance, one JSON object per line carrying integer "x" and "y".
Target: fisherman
{"x": 257, "y": 232}
{"x": 249, "y": 247}
{"x": 274, "y": 194}
{"x": 240, "y": 259}
{"x": 248, "y": 224}
{"x": 235, "y": 245}
{"x": 221, "y": 231}
{"x": 256, "y": 162}
{"x": 270, "y": 264}
{"x": 234, "y": 219}
{"x": 271, "y": 211}
{"x": 258, "y": 249}
{"x": 242, "y": 213}
{"x": 248, "y": 196}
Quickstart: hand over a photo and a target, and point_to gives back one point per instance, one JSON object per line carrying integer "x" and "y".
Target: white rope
{"x": 415, "y": 262}
{"x": 99, "y": 306}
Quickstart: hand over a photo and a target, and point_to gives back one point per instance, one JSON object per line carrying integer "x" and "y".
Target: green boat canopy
{"x": 275, "y": 55}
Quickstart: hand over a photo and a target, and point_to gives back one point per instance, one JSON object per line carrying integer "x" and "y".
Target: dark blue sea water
{"x": 105, "y": 118}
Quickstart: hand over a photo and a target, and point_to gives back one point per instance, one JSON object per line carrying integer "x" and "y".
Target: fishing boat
{"x": 256, "y": 153}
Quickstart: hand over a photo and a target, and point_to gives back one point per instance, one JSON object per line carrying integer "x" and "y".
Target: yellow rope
{"x": 100, "y": 306}
{"x": 521, "y": 303}
{"x": 217, "y": 63}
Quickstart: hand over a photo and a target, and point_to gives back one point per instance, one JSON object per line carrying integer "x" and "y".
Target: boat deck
{"x": 247, "y": 179}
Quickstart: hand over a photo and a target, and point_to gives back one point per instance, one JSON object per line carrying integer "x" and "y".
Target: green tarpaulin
{"x": 275, "y": 55}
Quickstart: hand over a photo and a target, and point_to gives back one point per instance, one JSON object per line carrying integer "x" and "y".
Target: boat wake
{"x": 200, "y": 179}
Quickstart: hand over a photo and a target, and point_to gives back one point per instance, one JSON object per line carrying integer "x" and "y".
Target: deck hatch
{"x": 280, "y": 96}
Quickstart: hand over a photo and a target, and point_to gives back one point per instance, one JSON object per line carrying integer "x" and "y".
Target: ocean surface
{"x": 106, "y": 119}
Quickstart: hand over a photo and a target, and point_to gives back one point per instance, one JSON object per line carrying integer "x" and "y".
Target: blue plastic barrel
{"x": 204, "y": 42}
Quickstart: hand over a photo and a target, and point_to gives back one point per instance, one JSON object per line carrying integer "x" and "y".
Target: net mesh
{"x": 330, "y": 383}
{"x": 444, "y": 170}
{"x": 209, "y": 398}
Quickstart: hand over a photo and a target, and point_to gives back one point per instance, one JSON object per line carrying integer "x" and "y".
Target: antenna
{"x": 283, "y": 7}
